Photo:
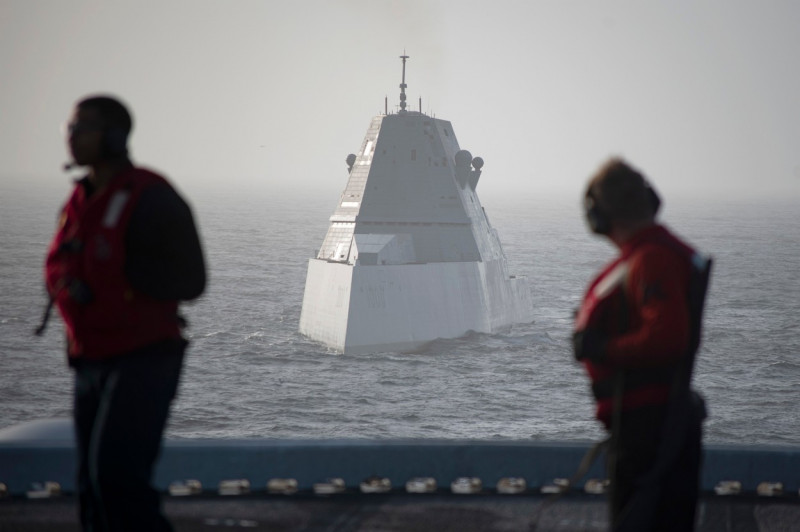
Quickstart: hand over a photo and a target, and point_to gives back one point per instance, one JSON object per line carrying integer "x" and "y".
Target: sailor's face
{"x": 85, "y": 136}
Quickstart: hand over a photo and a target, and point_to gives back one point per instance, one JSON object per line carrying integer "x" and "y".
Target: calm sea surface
{"x": 250, "y": 374}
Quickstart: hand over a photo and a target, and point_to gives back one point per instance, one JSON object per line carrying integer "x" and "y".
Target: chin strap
{"x": 39, "y": 331}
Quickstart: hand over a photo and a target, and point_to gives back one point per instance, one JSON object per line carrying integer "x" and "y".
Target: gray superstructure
{"x": 410, "y": 255}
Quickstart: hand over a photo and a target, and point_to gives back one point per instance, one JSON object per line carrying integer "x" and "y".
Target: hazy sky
{"x": 703, "y": 96}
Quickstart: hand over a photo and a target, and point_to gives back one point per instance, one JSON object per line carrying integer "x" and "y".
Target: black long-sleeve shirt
{"x": 164, "y": 258}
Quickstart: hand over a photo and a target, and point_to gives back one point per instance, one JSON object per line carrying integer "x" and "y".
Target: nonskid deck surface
{"x": 402, "y": 512}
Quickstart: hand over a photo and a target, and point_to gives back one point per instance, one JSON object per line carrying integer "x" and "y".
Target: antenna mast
{"x": 403, "y": 84}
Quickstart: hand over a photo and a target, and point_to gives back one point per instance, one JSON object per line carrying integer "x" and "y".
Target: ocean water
{"x": 249, "y": 372}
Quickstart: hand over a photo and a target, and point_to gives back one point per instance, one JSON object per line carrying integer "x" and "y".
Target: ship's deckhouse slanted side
{"x": 410, "y": 255}
{"x": 402, "y": 183}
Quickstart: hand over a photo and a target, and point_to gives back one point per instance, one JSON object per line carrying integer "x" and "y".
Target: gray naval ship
{"x": 410, "y": 255}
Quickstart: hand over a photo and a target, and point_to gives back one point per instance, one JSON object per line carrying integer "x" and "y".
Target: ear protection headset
{"x": 600, "y": 220}
{"x": 595, "y": 216}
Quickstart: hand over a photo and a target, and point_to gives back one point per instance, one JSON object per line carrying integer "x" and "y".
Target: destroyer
{"x": 410, "y": 255}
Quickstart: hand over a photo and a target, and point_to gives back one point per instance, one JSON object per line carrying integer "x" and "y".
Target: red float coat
{"x": 639, "y": 302}
{"x": 104, "y": 315}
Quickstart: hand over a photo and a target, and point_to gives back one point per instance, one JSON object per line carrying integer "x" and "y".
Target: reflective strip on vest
{"x": 115, "y": 206}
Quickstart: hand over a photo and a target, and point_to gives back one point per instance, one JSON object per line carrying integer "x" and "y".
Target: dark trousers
{"x": 637, "y": 502}
{"x": 121, "y": 409}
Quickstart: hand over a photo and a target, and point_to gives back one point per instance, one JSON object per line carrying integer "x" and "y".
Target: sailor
{"x": 636, "y": 333}
{"x": 125, "y": 252}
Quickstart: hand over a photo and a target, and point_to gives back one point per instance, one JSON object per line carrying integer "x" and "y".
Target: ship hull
{"x": 379, "y": 308}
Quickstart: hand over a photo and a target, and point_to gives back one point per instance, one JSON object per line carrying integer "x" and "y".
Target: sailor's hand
{"x": 589, "y": 344}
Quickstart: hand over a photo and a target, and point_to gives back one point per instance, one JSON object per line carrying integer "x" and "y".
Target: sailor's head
{"x": 98, "y": 130}
{"x": 618, "y": 194}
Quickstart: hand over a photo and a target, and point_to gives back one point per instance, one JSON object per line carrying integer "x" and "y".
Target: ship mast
{"x": 403, "y": 84}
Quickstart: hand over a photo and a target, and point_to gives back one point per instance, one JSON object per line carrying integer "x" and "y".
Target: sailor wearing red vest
{"x": 634, "y": 333}
{"x": 126, "y": 251}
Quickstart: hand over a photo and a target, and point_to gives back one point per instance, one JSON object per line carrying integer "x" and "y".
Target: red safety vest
{"x": 104, "y": 315}
{"x": 648, "y": 332}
